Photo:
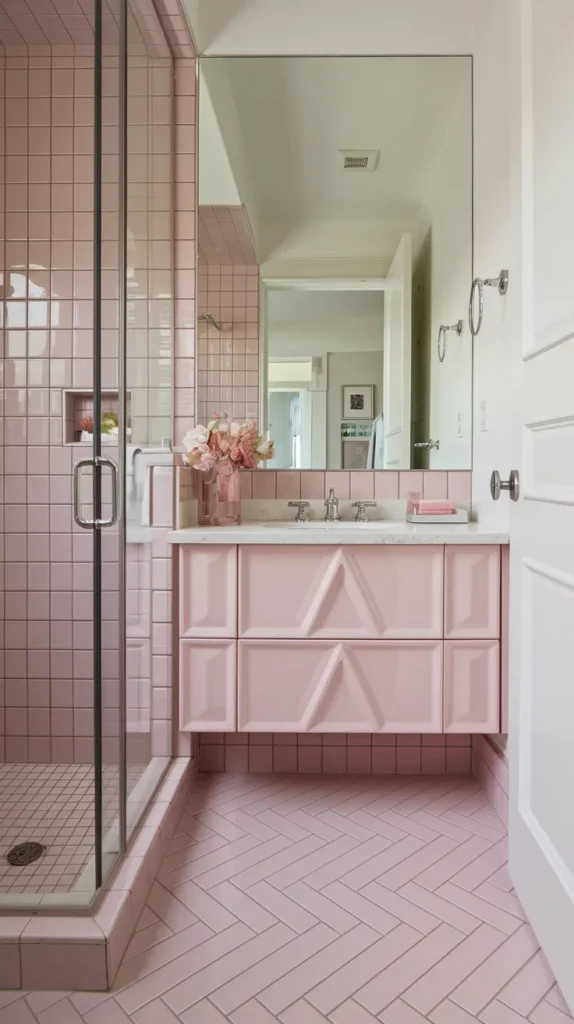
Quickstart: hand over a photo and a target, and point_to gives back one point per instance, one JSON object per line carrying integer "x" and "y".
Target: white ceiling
{"x": 335, "y": 26}
{"x": 283, "y": 120}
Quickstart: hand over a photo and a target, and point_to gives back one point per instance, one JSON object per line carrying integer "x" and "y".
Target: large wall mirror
{"x": 335, "y": 257}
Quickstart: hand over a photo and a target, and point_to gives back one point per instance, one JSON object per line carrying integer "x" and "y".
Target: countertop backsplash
{"x": 265, "y": 493}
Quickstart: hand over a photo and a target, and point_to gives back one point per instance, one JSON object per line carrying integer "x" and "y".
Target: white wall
{"x": 349, "y": 368}
{"x": 216, "y": 183}
{"x": 318, "y": 27}
{"x": 497, "y": 245}
{"x": 485, "y": 28}
{"x": 308, "y": 323}
{"x": 446, "y": 224}
{"x": 346, "y": 330}
{"x": 330, "y": 241}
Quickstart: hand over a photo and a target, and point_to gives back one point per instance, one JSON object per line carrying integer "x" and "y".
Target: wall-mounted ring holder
{"x": 480, "y": 283}
{"x": 441, "y": 340}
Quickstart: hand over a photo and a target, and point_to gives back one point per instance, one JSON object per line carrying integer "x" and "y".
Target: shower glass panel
{"x": 86, "y": 336}
{"x": 109, "y": 431}
{"x": 149, "y": 334}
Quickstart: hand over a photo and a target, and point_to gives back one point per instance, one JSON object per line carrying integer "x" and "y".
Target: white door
{"x": 397, "y": 358}
{"x": 541, "y": 743}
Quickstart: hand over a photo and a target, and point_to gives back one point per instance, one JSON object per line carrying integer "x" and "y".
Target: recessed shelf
{"x": 78, "y": 405}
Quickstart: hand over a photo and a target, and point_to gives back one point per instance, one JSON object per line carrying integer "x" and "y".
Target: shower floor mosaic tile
{"x": 52, "y": 804}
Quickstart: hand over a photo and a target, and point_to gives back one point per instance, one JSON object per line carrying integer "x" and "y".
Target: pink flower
{"x": 223, "y": 440}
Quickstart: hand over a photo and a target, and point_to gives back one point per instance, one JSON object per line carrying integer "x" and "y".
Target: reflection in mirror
{"x": 335, "y": 240}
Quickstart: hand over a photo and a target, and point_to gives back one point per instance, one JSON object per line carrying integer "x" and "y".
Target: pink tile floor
{"x": 325, "y": 899}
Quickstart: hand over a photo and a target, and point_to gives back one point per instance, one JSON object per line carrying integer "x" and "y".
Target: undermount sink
{"x": 338, "y": 525}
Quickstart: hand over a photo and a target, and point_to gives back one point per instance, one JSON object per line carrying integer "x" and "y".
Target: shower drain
{"x": 25, "y": 853}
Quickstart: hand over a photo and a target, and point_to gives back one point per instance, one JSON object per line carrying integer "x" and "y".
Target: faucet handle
{"x": 301, "y": 507}
{"x": 361, "y": 507}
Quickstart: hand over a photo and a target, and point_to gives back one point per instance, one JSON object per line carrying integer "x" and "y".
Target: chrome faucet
{"x": 362, "y": 506}
{"x": 302, "y": 514}
{"x": 332, "y": 507}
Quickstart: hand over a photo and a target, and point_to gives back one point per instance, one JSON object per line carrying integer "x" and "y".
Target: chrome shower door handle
{"x": 428, "y": 445}
{"x": 90, "y": 524}
{"x": 86, "y": 524}
{"x": 101, "y": 460}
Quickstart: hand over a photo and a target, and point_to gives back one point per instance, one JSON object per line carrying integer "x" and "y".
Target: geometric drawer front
{"x": 347, "y": 592}
{"x": 472, "y": 592}
{"x": 472, "y": 686}
{"x": 208, "y": 591}
{"x": 207, "y": 685}
{"x": 351, "y": 686}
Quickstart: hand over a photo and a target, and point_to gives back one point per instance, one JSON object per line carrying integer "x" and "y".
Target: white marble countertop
{"x": 317, "y": 532}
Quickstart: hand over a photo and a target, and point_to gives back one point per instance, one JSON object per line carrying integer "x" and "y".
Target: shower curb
{"x": 65, "y": 952}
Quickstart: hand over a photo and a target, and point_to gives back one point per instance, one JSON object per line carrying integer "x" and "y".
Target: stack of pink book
{"x": 418, "y": 506}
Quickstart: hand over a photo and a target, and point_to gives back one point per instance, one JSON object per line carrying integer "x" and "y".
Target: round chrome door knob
{"x": 512, "y": 485}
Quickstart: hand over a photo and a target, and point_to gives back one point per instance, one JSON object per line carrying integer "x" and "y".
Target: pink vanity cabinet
{"x": 352, "y": 638}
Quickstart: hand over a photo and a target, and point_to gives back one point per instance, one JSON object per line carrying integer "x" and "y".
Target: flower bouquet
{"x": 219, "y": 451}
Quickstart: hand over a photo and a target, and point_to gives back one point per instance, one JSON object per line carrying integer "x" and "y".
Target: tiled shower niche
{"x": 78, "y": 410}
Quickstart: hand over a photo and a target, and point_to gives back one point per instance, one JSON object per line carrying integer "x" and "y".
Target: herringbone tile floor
{"x": 320, "y": 899}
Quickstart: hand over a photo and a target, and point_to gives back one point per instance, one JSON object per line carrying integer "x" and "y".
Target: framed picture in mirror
{"x": 357, "y": 401}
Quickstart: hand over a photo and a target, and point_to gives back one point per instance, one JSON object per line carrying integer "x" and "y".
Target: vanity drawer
{"x": 208, "y": 591}
{"x": 472, "y": 592}
{"x": 207, "y": 685}
{"x": 472, "y": 686}
{"x": 350, "y": 592}
{"x": 352, "y": 686}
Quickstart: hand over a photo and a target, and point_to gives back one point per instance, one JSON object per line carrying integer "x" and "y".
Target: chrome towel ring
{"x": 480, "y": 283}
{"x": 441, "y": 341}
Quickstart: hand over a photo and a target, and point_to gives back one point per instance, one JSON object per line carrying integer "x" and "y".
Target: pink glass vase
{"x": 219, "y": 494}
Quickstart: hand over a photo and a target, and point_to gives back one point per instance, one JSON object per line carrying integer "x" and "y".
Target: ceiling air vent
{"x": 360, "y": 159}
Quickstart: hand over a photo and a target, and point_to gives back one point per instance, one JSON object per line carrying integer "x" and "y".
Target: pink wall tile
{"x": 225, "y": 236}
{"x": 261, "y": 758}
{"x": 285, "y": 758}
{"x": 362, "y": 485}
{"x": 458, "y": 760}
{"x": 212, "y": 758}
{"x": 236, "y": 759}
{"x": 433, "y": 760}
{"x": 386, "y": 485}
{"x": 335, "y": 760}
{"x": 310, "y": 759}
{"x": 409, "y": 482}
{"x": 359, "y": 760}
{"x": 435, "y": 484}
{"x": 312, "y": 484}
{"x": 336, "y": 753}
{"x": 264, "y": 484}
{"x": 288, "y": 485}
{"x": 459, "y": 486}
{"x": 228, "y": 288}
{"x": 408, "y": 760}
{"x": 49, "y": 168}
{"x": 384, "y": 761}
{"x": 340, "y": 482}
{"x": 246, "y": 478}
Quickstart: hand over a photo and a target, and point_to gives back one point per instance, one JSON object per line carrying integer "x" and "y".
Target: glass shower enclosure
{"x": 87, "y": 342}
